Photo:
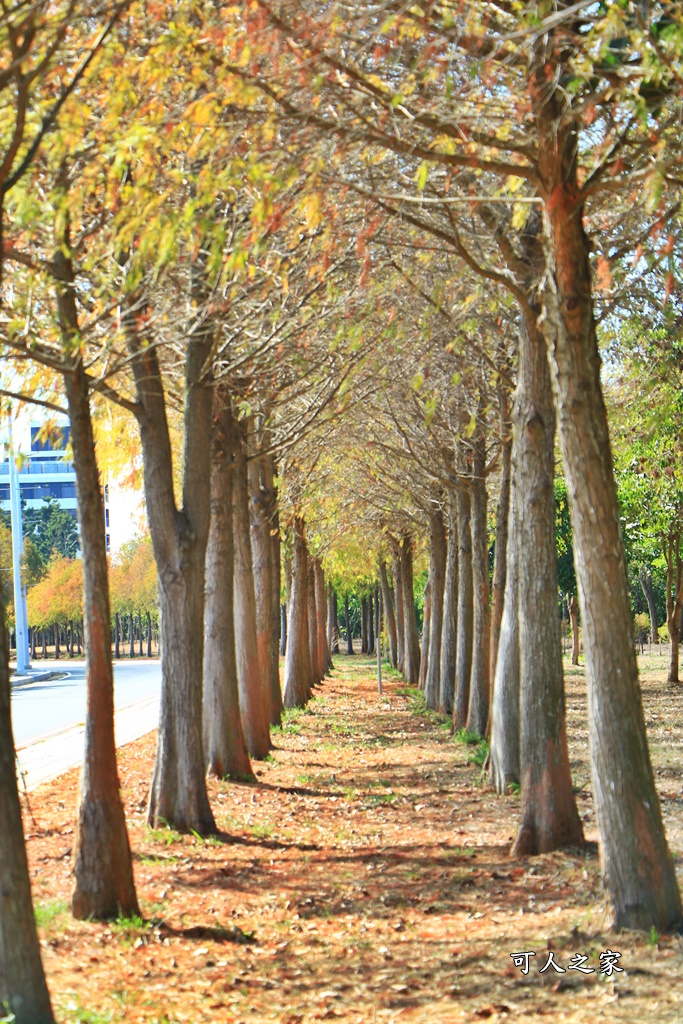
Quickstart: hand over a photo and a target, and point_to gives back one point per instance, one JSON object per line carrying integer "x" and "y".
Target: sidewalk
{"x": 52, "y": 755}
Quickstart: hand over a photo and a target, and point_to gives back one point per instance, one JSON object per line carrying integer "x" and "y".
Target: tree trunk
{"x": 549, "y": 818}
{"x": 449, "y": 633}
{"x": 178, "y": 796}
{"x": 276, "y": 577}
{"x": 283, "y": 629}
{"x": 140, "y": 633}
{"x": 33, "y": 643}
{"x": 312, "y": 620}
{"x": 389, "y": 613}
{"x": 347, "y": 618}
{"x": 502, "y": 517}
{"x": 412, "y": 643}
{"x": 437, "y": 577}
{"x": 637, "y": 864}
{"x": 363, "y": 625}
{"x": 674, "y": 598}
{"x": 480, "y": 681}
{"x": 117, "y": 636}
{"x": 335, "y": 645}
{"x": 573, "y": 606}
{"x": 57, "y": 651}
{"x": 71, "y": 638}
{"x": 321, "y": 619}
{"x": 332, "y": 627}
{"x": 22, "y": 981}
{"x": 149, "y": 634}
{"x": 398, "y": 604}
{"x": 371, "y": 623}
{"x": 504, "y": 757}
{"x": 646, "y": 585}
{"x": 79, "y": 629}
{"x": 131, "y": 635}
{"x": 43, "y": 638}
{"x": 298, "y": 657}
{"x": 225, "y": 748}
{"x": 426, "y": 630}
{"x": 266, "y": 563}
{"x": 102, "y": 865}
{"x": 254, "y": 689}
{"x": 463, "y": 669}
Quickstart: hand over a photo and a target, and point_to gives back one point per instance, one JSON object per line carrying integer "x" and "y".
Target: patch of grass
{"x": 479, "y": 754}
{"x": 206, "y": 840}
{"x": 130, "y": 928}
{"x": 514, "y": 788}
{"x": 76, "y": 1012}
{"x": 305, "y": 780}
{"x": 407, "y": 691}
{"x": 378, "y": 799}
{"x": 465, "y": 736}
{"x": 261, "y": 831}
{"x": 156, "y": 860}
{"x": 653, "y": 937}
{"x": 47, "y": 913}
{"x": 165, "y": 835}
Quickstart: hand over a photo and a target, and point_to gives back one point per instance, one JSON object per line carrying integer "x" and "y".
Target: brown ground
{"x": 364, "y": 878}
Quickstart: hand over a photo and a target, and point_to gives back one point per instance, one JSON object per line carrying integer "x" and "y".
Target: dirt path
{"x": 365, "y": 878}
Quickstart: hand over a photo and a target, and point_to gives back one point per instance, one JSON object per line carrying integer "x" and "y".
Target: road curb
{"x": 32, "y": 677}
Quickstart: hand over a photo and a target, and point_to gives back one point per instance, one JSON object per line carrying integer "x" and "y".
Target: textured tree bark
{"x": 312, "y": 620}
{"x": 437, "y": 577}
{"x": 449, "y": 636}
{"x": 117, "y": 636}
{"x": 463, "y": 668}
{"x": 363, "y": 625}
{"x": 573, "y": 606}
{"x": 646, "y": 585}
{"x": 283, "y": 629}
{"x": 426, "y": 630}
{"x": 371, "y": 623}
{"x": 398, "y": 604}
{"x": 225, "y": 748}
{"x": 502, "y": 516}
{"x": 265, "y": 548}
{"x": 321, "y": 619}
{"x": 253, "y": 684}
{"x": 22, "y": 981}
{"x": 412, "y": 643}
{"x": 638, "y": 867}
{"x": 335, "y": 646}
{"x": 178, "y": 794}
{"x": 549, "y": 817}
{"x": 504, "y": 754}
{"x": 298, "y": 658}
{"x": 480, "y": 680}
{"x": 102, "y": 864}
{"x": 332, "y": 626}
{"x": 347, "y": 619}
{"x": 389, "y": 613}
{"x": 671, "y": 546}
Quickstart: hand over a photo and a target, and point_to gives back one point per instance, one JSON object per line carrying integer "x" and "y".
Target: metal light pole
{"x": 20, "y": 614}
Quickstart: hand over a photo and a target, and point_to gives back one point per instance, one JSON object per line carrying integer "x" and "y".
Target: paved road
{"x": 48, "y": 716}
{"x": 42, "y": 708}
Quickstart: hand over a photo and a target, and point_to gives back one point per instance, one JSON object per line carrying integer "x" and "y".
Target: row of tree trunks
{"x": 311, "y": 617}
{"x": 225, "y": 748}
